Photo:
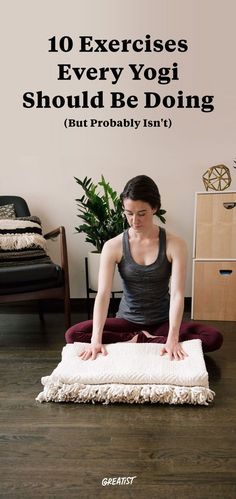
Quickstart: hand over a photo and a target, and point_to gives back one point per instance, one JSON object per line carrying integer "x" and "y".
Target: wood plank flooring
{"x": 65, "y": 450}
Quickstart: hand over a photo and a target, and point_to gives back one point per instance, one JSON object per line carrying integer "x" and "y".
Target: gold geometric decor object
{"x": 217, "y": 178}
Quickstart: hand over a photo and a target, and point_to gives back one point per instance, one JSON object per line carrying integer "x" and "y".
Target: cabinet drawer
{"x": 214, "y": 291}
{"x": 216, "y": 226}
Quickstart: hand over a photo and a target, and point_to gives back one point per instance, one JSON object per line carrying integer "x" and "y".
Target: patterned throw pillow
{"x": 7, "y": 211}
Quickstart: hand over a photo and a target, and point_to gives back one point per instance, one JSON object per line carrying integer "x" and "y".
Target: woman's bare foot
{"x": 148, "y": 335}
{"x": 133, "y": 340}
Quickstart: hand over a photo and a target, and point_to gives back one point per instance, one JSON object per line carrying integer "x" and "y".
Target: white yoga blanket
{"x": 132, "y": 373}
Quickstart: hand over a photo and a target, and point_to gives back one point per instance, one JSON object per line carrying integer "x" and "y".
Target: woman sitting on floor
{"x": 147, "y": 256}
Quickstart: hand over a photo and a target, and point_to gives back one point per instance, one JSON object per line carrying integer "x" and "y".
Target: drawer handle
{"x": 225, "y": 272}
{"x": 229, "y": 206}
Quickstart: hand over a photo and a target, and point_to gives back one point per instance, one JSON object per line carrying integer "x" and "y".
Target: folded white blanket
{"x": 131, "y": 373}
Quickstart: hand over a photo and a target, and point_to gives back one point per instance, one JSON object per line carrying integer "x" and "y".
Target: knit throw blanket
{"x": 130, "y": 373}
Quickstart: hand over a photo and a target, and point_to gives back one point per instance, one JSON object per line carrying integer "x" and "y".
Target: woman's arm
{"x": 177, "y": 252}
{"x": 106, "y": 272}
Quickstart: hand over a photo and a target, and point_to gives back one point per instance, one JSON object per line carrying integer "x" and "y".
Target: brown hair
{"x": 142, "y": 188}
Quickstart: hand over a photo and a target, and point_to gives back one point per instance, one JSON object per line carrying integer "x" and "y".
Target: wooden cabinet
{"x": 215, "y": 225}
{"x": 214, "y": 254}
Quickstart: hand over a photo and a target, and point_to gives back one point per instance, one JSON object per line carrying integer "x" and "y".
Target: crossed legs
{"x": 116, "y": 330}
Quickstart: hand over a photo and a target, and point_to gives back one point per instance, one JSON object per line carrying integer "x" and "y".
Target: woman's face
{"x": 139, "y": 214}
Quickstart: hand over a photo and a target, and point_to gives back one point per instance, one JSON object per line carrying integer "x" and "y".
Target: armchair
{"x": 35, "y": 280}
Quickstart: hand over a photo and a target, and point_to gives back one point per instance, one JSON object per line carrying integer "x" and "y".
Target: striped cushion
{"x": 22, "y": 242}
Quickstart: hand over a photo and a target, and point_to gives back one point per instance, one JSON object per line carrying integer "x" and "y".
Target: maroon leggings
{"x": 116, "y": 330}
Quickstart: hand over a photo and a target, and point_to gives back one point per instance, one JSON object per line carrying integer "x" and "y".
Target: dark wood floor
{"x": 65, "y": 450}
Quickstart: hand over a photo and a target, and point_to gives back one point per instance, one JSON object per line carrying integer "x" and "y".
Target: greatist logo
{"x": 120, "y": 480}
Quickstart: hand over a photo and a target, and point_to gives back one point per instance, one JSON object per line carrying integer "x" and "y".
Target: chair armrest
{"x": 60, "y": 231}
{"x": 54, "y": 233}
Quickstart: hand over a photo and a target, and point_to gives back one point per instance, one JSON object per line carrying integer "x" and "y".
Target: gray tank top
{"x": 145, "y": 298}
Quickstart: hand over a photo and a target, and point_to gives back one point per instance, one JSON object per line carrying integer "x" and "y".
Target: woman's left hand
{"x": 174, "y": 350}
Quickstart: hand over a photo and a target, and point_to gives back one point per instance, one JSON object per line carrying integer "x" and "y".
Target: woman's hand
{"x": 92, "y": 350}
{"x": 174, "y": 350}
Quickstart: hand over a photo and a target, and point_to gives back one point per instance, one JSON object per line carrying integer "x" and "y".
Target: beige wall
{"x": 40, "y": 157}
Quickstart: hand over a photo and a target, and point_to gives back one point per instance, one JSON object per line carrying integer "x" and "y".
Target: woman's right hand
{"x": 92, "y": 350}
